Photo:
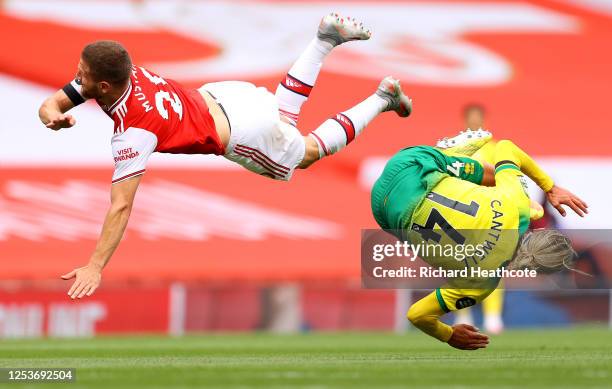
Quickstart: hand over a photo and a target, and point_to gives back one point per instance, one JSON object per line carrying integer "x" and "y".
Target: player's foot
{"x": 391, "y": 90}
{"x": 337, "y": 29}
{"x": 466, "y": 143}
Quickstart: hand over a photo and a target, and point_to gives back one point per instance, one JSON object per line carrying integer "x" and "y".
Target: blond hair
{"x": 546, "y": 251}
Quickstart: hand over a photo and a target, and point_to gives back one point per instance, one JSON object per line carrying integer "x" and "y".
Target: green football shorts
{"x": 407, "y": 178}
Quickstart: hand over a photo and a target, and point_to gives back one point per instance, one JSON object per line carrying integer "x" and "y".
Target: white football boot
{"x": 466, "y": 143}
{"x": 391, "y": 91}
{"x": 337, "y": 29}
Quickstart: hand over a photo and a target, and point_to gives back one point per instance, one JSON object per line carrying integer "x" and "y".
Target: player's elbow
{"x": 421, "y": 318}
{"x": 414, "y": 316}
{"x": 42, "y": 112}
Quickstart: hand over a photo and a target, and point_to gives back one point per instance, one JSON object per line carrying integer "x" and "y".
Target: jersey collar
{"x": 121, "y": 99}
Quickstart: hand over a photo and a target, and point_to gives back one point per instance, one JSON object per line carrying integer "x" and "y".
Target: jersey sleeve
{"x": 508, "y": 154}
{"x": 74, "y": 91}
{"x": 131, "y": 150}
{"x": 451, "y": 299}
{"x": 425, "y": 315}
{"x": 510, "y": 180}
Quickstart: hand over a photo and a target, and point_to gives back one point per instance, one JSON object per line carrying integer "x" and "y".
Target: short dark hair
{"x": 108, "y": 61}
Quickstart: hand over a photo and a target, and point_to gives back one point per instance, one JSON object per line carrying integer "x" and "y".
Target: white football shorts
{"x": 259, "y": 140}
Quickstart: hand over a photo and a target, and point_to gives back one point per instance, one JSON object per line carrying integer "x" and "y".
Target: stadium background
{"x": 212, "y": 247}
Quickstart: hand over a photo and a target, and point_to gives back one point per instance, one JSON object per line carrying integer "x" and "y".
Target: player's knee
{"x": 311, "y": 152}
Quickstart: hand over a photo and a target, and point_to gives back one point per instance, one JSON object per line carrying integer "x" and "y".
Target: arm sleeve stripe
{"x": 507, "y": 166}
{"x": 128, "y": 176}
{"x": 504, "y": 162}
{"x": 73, "y": 94}
{"x": 441, "y": 301}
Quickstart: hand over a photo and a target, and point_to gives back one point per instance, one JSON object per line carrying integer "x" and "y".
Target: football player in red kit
{"x": 243, "y": 123}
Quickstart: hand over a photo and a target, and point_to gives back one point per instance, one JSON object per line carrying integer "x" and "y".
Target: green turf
{"x": 550, "y": 358}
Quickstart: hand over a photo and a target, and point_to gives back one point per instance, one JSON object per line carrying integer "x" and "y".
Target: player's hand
{"x": 558, "y": 196}
{"x": 467, "y": 337}
{"x": 88, "y": 279}
{"x": 61, "y": 121}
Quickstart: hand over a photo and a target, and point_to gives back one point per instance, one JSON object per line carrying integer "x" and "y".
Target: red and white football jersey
{"x": 155, "y": 115}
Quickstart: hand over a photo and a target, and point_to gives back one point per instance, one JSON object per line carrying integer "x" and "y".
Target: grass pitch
{"x": 559, "y": 358}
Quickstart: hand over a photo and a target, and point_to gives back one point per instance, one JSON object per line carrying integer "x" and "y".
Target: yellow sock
{"x": 494, "y": 303}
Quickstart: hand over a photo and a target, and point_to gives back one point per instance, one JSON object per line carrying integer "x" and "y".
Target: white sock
{"x": 493, "y": 323}
{"x": 464, "y": 316}
{"x": 334, "y": 134}
{"x": 294, "y": 90}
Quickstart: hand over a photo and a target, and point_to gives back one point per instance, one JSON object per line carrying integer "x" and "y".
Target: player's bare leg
{"x": 273, "y": 147}
{"x": 294, "y": 90}
{"x": 335, "y": 133}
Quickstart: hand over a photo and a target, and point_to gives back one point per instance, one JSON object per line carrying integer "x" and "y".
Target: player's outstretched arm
{"x": 508, "y": 154}
{"x": 425, "y": 315}
{"x": 52, "y": 111}
{"x": 88, "y": 277}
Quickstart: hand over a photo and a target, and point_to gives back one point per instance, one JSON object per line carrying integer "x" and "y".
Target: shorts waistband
{"x": 229, "y": 122}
